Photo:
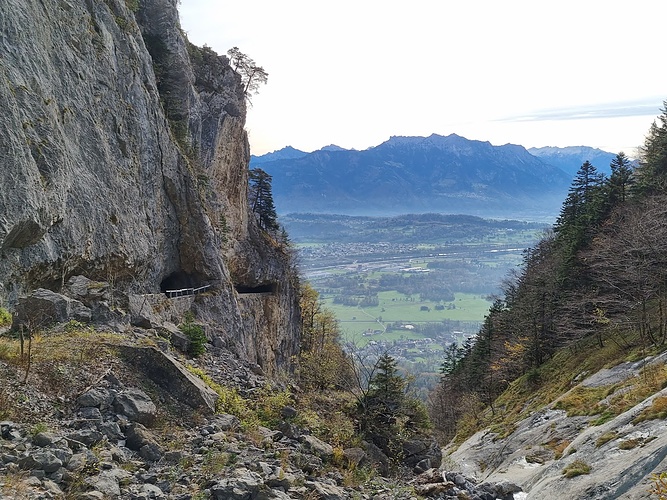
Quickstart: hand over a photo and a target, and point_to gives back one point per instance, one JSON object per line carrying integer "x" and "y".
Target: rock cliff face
{"x": 619, "y": 456}
{"x": 124, "y": 158}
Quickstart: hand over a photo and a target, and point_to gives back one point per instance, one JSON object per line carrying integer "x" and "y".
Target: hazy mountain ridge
{"x": 418, "y": 174}
{"x": 286, "y": 153}
{"x": 570, "y": 158}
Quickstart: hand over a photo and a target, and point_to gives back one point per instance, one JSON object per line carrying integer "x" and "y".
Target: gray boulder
{"x": 43, "y": 307}
{"x": 43, "y": 439}
{"x": 376, "y": 457}
{"x": 136, "y": 406}
{"x": 41, "y": 460}
{"x": 316, "y": 446}
{"x": 140, "y": 439}
{"x": 243, "y": 486}
{"x": 86, "y": 290}
{"x": 327, "y": 491}
{"x": 226, "y": 422}
{"x": 86, "y": 437}
{"x": 108, "y": 482}
{"x": 422, "y": 454}
{"x": 98, "y": 397}
{"x": 169, "y": 374}
{"x": 175, "y": 336}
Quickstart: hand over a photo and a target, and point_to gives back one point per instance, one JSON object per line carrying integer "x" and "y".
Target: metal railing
{"x": 184, "y": 292}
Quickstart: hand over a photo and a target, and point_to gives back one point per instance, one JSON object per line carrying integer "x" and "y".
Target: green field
{"x": 398, "y": 308}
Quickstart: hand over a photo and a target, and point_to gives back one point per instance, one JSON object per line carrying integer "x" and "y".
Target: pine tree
{"x": 652, "y": 170}
{"x": 387, "y": 387}
{"x": 379, "y": 409}
{"x": 261, "y": 199}
{"x": 621, "y": 179}
{"x": 582, "y": 211}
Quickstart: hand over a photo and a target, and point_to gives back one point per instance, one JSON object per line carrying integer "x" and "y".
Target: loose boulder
{"x": 43, "y": 307}
{"x": 136, "y": 406}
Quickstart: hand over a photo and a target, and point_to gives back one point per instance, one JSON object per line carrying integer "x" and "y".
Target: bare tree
{"x": 628, "y": 260}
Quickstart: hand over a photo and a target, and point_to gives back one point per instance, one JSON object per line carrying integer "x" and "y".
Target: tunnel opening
{"x": 262, "y": 288}
{"x": 177, "y": 280}
{"x": 180, "y": 283}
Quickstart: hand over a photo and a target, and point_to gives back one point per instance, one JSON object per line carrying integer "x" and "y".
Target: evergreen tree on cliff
{"x": 261, "y": 199}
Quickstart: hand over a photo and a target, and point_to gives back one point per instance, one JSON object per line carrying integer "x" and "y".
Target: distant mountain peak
{"x": 571, "y": 158}
{"x": 286, "y": 153}
{"x": 434, "y": 140}
{"x": 333, "y": 147}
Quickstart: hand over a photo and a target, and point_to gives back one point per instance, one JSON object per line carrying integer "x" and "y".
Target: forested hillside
{"x": 598, "y": 277}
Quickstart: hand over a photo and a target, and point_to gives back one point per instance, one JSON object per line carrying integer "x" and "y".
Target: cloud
{"x": 645, "y": 107}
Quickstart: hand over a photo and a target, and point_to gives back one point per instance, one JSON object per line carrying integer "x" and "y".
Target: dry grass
{"x": 657, "y": 410}
{"x": 59, "y": 365}
{"x": 558, "y": 446}
{"x": 576, "y": 468}
{"x": 605, "y": 438}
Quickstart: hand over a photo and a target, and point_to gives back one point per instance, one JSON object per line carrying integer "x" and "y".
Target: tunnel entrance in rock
{"x": 262, "y": 288}
{"x": 178, "y": 281}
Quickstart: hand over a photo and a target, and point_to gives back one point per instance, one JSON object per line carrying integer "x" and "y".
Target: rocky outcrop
{"x": 125, "y": 160}
{"x": 614, "y": 459}
{"x": 169, "y": 374}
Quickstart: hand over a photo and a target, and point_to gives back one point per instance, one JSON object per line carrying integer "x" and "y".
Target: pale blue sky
{"x": 355, "y": 72}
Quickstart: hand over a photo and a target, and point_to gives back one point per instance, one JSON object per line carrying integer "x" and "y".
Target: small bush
{"x": 5, "y": 317}
{"x": 74, "y": 326}
{"x": 269, "y": 404}
{"x": 196, "y": 335}
{"x": 229, "y": 400}
{"x": 37, "y": 428}
{"x": 576, "y": 468}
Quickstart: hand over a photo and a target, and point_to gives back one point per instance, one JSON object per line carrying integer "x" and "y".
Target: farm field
{"x": 409, "y": 285}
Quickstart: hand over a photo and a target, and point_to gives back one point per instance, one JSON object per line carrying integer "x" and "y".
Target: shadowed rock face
{"x": 124, "y": 158}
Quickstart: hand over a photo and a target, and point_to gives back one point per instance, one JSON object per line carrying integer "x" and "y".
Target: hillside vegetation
{"x": 591, "y": 294}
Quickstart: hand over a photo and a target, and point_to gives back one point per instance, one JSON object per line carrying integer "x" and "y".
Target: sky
{"x": 356, "y": 72}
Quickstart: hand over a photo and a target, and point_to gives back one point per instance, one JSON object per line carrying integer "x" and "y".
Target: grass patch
{"x": 262, "y": 409}
{"x": 558, "y": 446}
{"x": 657, "y": 410}
{"x": 605, "y": 438}
{"x": 397, "y": 307}
{"x": 629, "y": 444}
{"x": 576, "y": 468}
{"x": 583, "y": 400}
{"x": 229, "y": 399}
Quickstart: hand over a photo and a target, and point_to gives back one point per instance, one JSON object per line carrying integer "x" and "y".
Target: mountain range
{"x": 423, "y": 174}
{"x": 571, "y": 158}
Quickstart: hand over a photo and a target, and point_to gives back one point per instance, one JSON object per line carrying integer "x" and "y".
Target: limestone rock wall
{"x": 124, "y": 158}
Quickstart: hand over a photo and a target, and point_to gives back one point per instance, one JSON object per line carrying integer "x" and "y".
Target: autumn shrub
{"x": 229, "y": 399}
{"x": 576, "y": 468}
{"x": 268, "y": 404}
